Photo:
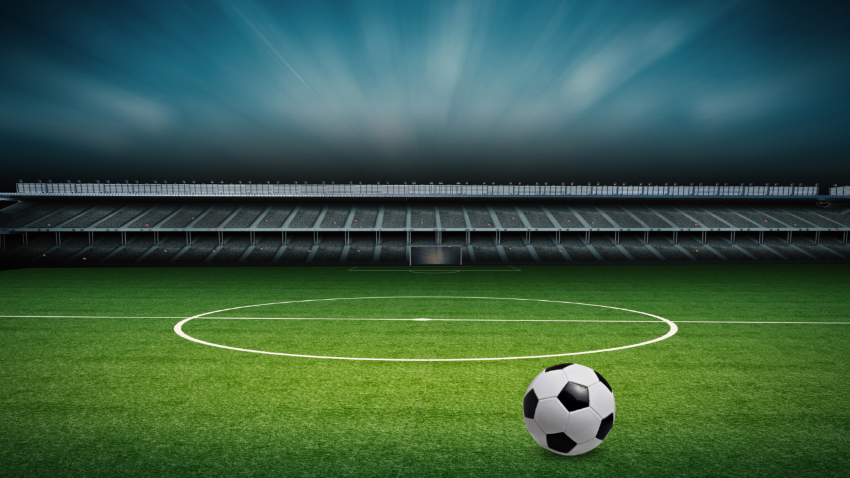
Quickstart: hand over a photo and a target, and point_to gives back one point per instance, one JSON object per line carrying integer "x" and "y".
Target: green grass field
{"x": 120, "y": 393}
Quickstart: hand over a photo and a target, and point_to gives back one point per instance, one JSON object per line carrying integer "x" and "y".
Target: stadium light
{"x": 666, "y": 184}
{"x": 249, "y": 182}
{"x": 193, "y": 181}
{"x": 597, "y": 184}
{"x": 107, "y": 181}
{"x": 97, "y": 181}
{"x": 184, "y": 181}
{"x": 751, "y": 184}
{"x": 405, "y": 183}
{"x": 572, "y": 184}
{"x": 641, "y": 184}
{"x": 510, "y": 184}
{"x": 563, "y": 183}
{"x": 154, "y": 181}
{"x": 78, "y": 181}
{"x": 414, "y": 183}
{"x": 49, "y": 181}
{"x": 39, "y": 180}
{"x": 67, "y": 180}
{"x": 361, "y": 182}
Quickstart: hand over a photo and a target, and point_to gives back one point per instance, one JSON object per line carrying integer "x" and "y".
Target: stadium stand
{"x": 484, "y": 248}
{"x": 298, "y": 248}
{"x": 276, "y": 216}
{"x": 393, "y": 247}
{"x": 33, "y": 214}
{"x": 92, "y": 216}
{"x": 215, "y": 216}
{"x": 672, "y": 215}
{"x": 246, "y": 216}
{"x": 202, "y": 246}
{"x": 365, "y": 216}
{"x": 155, "y": 215}
{"x": 479, "y": 216}
{"x": 545, "y": 247}
{"x": 123, "y": 216}
{"x": 451, "y": 216}
{"x": 330, "y": 249}
{"x": 422, "y": 215}
{"x": 636, "y": 248}
{"x": 236, "y": 245}
{"x": 536, "y": 217}
{"x": 728, "y": 215}
{"x": 565, "y": 217}
{"x": 591, "y": 216}
{"x": 62, "y": 215}
{"x": 513, "y": 243}
{"x": 394, "y": 216}
{"x": 576, "y": 248}
{"x": 830, "y": 215}
{"x": 645, "y": 215}
{"x": 336, "y": 216}
{"x": 137, "y": 244}
{"x": 701, "y": 216}
{"x": 307, "y": 215}
{"x": 62, "y": 233}
{"x": 362, "y": 248}
{"x": 267, "y": 246}
{"x": 101, "y": 248}
{"x": 508, "y": 216}
{"x": 606, "y": 248}
{"x": 662, "y": 243}
{"x": 169, "y": 246}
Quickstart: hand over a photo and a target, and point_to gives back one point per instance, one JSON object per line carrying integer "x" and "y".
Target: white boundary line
{"x": 421, "y": 319}
{"x": 178, "y": 329}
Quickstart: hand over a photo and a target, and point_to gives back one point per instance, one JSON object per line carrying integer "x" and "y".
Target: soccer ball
{"x": 568, "y": 409}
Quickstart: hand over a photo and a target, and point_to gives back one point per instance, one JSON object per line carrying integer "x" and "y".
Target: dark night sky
{"x": 392, "y": 91}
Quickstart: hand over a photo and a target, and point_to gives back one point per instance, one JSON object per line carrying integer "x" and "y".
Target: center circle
{"x": 178, "y": 329}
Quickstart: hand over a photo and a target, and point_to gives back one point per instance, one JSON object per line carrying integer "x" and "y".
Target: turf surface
{"x": 127, "y": 396}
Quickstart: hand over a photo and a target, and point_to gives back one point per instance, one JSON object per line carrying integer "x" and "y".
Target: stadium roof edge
{"x": 424, "y": 191}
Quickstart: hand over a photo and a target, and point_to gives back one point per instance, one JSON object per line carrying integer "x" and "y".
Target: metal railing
{"x": 418, "y": 190}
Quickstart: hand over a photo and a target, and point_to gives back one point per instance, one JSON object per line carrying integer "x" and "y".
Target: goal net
{"x": 435, "y": 255}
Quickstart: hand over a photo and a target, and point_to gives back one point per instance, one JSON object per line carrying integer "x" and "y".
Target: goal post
{"x": 436, "y": 255}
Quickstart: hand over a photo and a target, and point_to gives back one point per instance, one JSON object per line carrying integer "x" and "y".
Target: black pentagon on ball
{"x": 558, "y": 367}
{"x": 529, "y": 404}
{"x": 574, "y": 397}
{"x": 601, "y": 379}
{"x": 605, "y": 427}
{"x": 560, "y": 442}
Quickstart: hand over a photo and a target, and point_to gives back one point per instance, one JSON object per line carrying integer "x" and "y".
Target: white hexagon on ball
{"x": 569, "y": 409}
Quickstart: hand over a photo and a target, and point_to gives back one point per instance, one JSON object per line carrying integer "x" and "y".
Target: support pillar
{"x": 616, "y": 237}
{"x": 844, "y": 241}
{"x": 645, "y": 237}
{"x": 732, "y": 238}
{"x": 58, "y": 238}
{"x": 587, "y": 237}
{"x": 675, "y": 237}
{"x": 789, "y": 237}
{"x": 705, "y": 237}
{"x": 558, "y": 236}
{"x": 761, "y": 237}
{"x": 91, "y": 237}
{"x": 817, "y": 237}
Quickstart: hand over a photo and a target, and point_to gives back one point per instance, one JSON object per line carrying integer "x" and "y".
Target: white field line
{"x": 417, "y": 320}
{"x": 178, "y": 329}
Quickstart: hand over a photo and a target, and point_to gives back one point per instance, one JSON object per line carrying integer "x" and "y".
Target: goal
{"x": 436, "y": 255}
